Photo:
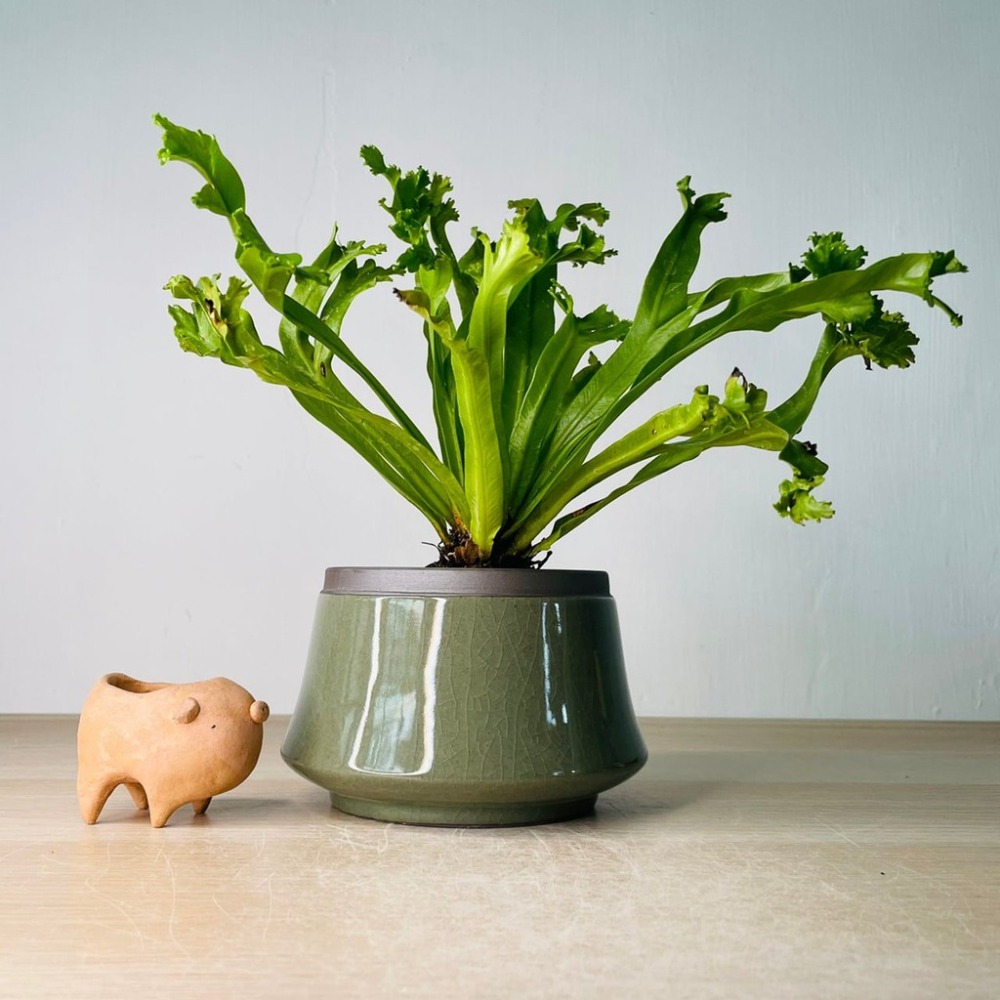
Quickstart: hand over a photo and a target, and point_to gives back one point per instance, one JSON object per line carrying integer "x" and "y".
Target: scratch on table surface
{"x": 839, "y": 833}
{"x": 258, "y": 851}
{"x": 359, "y": 840}
{"x": 383, "y": 844}
{"x": 104, "y": 871}
{"x": 173, "y": 907}
{"x": 838, "y": 892}
{"x": 111, "y": 901}
{"x": 962, "y": 920}
{"x": 221, "y": 908}
{"x": 262, "y": 845}
{"x": 923, "y": 876}
{"x": 344, "y": 835}
{"x": 15, "y": 850}
{"x": 541, "y": 840}
{"x": 270, "y": 908}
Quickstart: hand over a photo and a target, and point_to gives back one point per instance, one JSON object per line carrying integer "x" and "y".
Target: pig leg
{"x": 162, "y": 800}
{"x": 138, "y": 794}
{"x": 160, "y": 812}
{"x": 92, "y": 793}
{"x": 200, "y": 805}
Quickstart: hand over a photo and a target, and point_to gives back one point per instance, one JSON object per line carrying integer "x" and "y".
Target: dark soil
{"x": 461, "y": 551}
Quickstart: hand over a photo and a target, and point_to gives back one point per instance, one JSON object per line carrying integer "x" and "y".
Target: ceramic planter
{"x": 465, "y": 696}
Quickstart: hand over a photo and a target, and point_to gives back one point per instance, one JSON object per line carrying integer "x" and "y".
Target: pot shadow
{"x": 237, "y": 810}
{"x": 661, "y": 788}
{"x": 669, "y": 783}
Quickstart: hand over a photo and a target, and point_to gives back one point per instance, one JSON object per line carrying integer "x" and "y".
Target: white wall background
{"x": 168, "y": 517}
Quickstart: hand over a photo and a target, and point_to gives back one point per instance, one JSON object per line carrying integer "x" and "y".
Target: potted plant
{"x": 484, "y": 690}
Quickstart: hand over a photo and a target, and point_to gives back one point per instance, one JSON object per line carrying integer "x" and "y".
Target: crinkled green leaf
{"x": 270, "y": 272}
{"x": 419, "y": 202}
{"x": 665, "y": 291}
{"x": 545, "y": 235}
{"x": 224, "y": 192}
{"x": 804, "y": 460}
{"x": 829, "y": 253}
{"x": 795, "y": 500}
{"x": 218, "y": 326}
{"x": 530, "y": 315}
{"x": 884, "y": 338}
{"x": 639, "y": 363}
{"x": 326, "y": 288}
{"x": 522, "y": 404}
{"x": 738, "y": 419}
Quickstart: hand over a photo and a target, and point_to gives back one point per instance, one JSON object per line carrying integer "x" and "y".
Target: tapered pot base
{"x": 466, "y": 815}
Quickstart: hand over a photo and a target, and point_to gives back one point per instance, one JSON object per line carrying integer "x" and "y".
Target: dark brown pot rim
{"x": 450, "y": 582}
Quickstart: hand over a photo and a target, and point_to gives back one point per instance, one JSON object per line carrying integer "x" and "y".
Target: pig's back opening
{"x": 130, "y": 684}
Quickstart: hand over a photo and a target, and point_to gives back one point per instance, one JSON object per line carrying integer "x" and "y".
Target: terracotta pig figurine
{"x": 169, "y": 744}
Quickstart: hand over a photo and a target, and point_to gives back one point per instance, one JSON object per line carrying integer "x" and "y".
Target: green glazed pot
{"x": 465, "y": 697}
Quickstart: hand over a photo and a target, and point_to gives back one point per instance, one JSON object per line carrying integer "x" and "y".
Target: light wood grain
{"x": 748, "y": 859}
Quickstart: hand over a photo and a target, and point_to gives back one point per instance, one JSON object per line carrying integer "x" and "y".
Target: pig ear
{"x": 188, "y": 711}
{"x": 259, "y": 711}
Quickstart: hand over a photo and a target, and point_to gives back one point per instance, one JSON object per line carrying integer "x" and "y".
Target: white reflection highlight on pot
{"x": 430, "y": 685}
{"x": 557, "y": 611}
{"x": 550, "y": 715}
{"x": 372, "y": 679}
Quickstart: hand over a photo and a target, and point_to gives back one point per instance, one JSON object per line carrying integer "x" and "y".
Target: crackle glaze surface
{"x": 465, "y": 710}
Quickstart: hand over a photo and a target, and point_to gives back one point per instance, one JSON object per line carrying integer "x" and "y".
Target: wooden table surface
{"x": 748, "y": 859}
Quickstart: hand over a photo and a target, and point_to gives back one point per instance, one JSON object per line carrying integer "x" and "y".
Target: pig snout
{"x": 259, "y": 712}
